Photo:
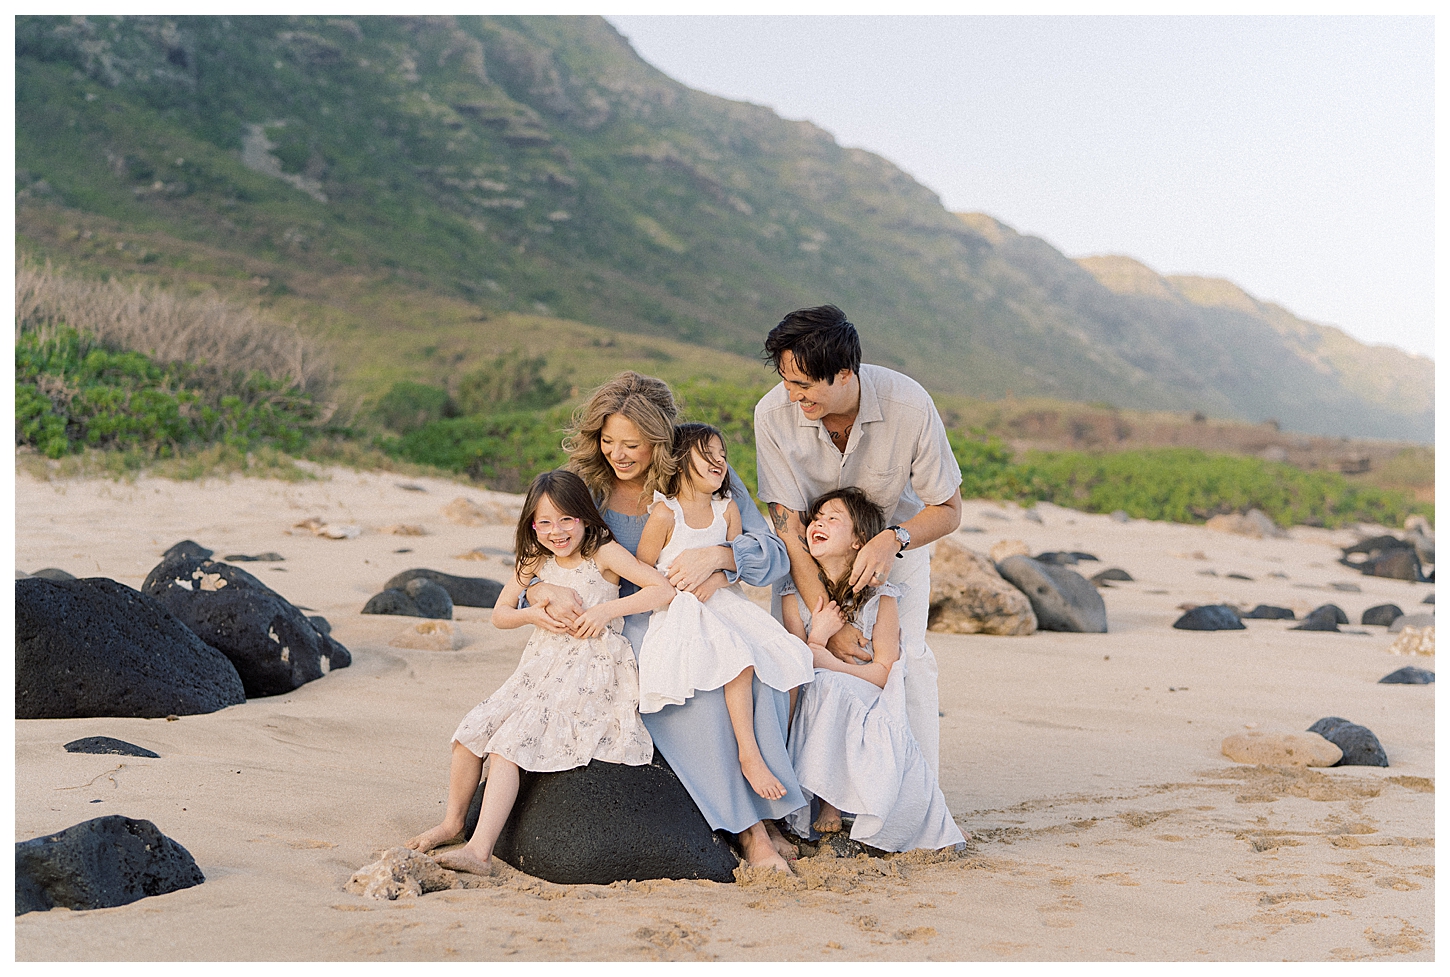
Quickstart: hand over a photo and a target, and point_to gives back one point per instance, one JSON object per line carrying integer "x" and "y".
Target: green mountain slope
{"x": 538, "y": 166}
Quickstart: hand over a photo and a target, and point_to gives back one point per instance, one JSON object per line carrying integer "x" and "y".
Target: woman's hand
{"x": 562, "y": 604}
{"x": 593, "y": 622}
{"x": 538, "y": 615}
{"x": 715, "y": 581}
{"x": 691, "y": 568}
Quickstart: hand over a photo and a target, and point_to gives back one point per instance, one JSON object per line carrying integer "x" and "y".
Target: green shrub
{"x": 510, "y": 383}
{"x": 503, "y": 451}
{"x": 409, "y": 406}
{"x": 72, "y": 393}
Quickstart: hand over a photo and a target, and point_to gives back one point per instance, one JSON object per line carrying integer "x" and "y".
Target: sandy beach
{"x": 1103, "y": 821}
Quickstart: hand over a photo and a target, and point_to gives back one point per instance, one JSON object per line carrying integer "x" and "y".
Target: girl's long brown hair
{"x": 868, "y": 520}
{"x": 571, "y": 497}
{"x": 689, "y": 436}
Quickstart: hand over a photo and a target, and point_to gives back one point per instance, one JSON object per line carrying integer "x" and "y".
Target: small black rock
{"x": 607, "y": 822}
{"x": 1429, "y": 599}
{"x": 463, "y": 591}
{"x": 1112, "y": 574}
{"x": 320, "y": 623}
{"x": 431, "y": 599}
{"x": 267, "y": 557}
{"x": 1238, "y": 576}
{"x": 52, "y": 573}
{"x": 1382, "y": 614}
{"x": 108, "y": 744}
{"x": 1359, "y": 745}
{"x": 392, "y": 602}
{"x": 1409, "y": 675}
{"x": 1326, "y": 617}
{"x": 1268, "y": 612}
{"x": 109, "y": 861}
{"x": 187, "y": 549}
{"x": 1210, "y": 617}
{"x": 1058, "y": 559}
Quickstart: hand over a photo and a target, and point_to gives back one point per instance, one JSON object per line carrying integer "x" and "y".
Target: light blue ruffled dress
{"x": 696, "y": 738}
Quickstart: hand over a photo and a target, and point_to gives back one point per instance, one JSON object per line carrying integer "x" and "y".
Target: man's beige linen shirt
{"x": 897, "y": 453}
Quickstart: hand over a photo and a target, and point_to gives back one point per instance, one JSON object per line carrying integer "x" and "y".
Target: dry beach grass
{"x": 1104, "y": 823}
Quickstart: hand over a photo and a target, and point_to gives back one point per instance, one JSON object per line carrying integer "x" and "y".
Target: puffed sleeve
{"x": 760, "y": 556}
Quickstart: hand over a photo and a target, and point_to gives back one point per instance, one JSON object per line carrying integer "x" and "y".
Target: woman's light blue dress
{"x": 696, "y": 738}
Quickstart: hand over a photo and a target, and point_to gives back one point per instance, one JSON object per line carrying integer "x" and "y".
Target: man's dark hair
{"x": 820, "y": 340}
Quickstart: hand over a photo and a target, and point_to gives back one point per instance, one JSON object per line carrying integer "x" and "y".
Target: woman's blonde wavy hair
{"x": 647, "y": 403}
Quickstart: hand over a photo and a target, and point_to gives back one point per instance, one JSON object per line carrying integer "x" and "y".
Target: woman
{"x": 621, "y": 448}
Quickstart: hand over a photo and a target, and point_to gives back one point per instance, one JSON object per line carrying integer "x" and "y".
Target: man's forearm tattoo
{"x": 779, "y": 515}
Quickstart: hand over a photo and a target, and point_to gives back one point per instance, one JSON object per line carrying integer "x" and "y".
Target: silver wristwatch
{"x": 902, "y": 537}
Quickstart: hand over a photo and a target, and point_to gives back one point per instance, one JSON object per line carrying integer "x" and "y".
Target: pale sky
{"x": 1291, "y": 155}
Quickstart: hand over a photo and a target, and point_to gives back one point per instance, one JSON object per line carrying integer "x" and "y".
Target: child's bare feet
{"x": 828, "y": 820}
{"x": 777, "y": 840}
{"x": 434, "y": 837}
{"x": 758, "y": 850}
{"x": 463, "y": 860}
{"x": 760, "y": 777}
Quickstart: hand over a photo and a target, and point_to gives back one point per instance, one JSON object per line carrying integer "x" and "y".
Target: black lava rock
{"x": 1383, "y": 614}
{"x": 1111, "y": 574}
{"x": 1359, "y": 745}
{"x": 268, "y": 557}
{"x": 272, "y": 644}
{"x": 1210, "y": 617}
{"x": 392, "y": 602}
{"x": 463, "y": 591}
{"x": 321, "y": 623}
{"x": 53, "y": 573}
{"x": 1238, "y": 576}
{"x": 431, "y": 599}
{"x": 103, "y": 862}
{"x": 188, "y": 549}
{"x": 607, "y": 822}
{"x": 1396, "y": 565}
{"x": 1268, "y": 612}
{"x": 1061, "y": 598}
{"x": 1409, "y": 675}
{"x": 108, "y": 745}
{"x": 1411, "y": 621}
{"x": 1429, "y": 599}
{"x": 95, "y": 647}
{"x": 1058, "y": 559}
{"x": 1326, "y": 617}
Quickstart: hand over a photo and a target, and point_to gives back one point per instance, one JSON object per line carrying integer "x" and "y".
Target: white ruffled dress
{"x": 695, "y": 647}
{"x": 571, "y": 700}
{"x": 851, "y": 745}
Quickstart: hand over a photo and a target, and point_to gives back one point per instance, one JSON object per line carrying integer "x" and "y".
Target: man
{"x": 832, "y": 422}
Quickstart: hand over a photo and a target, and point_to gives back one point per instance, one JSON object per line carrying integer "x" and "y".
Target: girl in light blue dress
{"x": 851, "y": 744}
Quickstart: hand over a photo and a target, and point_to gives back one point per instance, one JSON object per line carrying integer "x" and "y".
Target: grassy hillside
{"x": 420, "y": 193}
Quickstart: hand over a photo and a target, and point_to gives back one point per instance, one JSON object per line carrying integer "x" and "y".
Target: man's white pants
{"x": 913, "y": 574}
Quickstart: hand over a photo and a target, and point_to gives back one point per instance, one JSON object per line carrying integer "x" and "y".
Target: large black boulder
{"x": 1062, "y": 599}
{"x": 273, "y": 645}
{"x": 1359, "y": 745}
{"x": 1409, "y": 675}
{"x": 464, "y": 591}
{"x": 95, "y": 647}
{"x": 103, "y": 862}
{"x": 1325, "y": 617}
{"x": 608, "y": 822}
{"x": 1381, "y": 614}
{"x": 1210, "y": 617}
{"x": 1268, "y": 612}
{"x": 1384, "y": 556}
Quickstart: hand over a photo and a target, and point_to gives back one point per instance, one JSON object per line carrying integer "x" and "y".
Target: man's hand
{"x": 849, "y": 646}
{"x": 873, "y": 562}
{"x": 562, "y": 604}
{"x": 693, "y": 567}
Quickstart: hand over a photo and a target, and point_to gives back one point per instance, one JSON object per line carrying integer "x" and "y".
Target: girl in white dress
{"x": 727, "y": 641}
{"x": 574, "y": 696}
{"x": 850, "y": 743}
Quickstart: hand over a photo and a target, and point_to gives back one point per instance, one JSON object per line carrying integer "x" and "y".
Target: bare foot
{"x": 777, "y": 840}
{"x": 759, "y": 852}
{"x": 761, "y": 778}
{"x": 462, "y": 860}
{"x": 828, "y": 820}
{"x": 434, "y": 837}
